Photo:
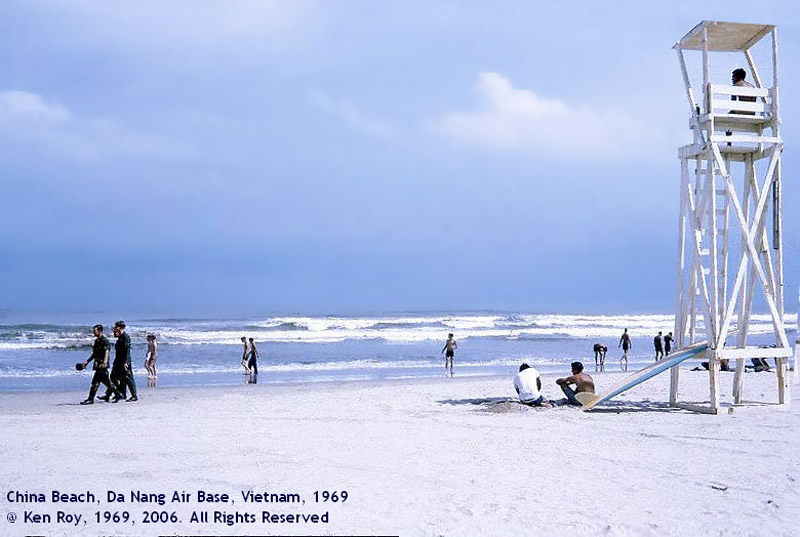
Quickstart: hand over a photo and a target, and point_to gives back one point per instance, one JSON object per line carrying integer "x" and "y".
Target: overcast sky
{"x": 253, "y": 157}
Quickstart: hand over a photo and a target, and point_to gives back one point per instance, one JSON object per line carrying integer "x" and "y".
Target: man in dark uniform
{"x": 100, "y": 351}
{"x": 122, "y": 370}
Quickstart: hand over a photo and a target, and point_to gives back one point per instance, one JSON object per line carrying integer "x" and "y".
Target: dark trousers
{"x": 252, "y": 364}
{"x": 101, "y": 377}
{"x": 122, "y": 378}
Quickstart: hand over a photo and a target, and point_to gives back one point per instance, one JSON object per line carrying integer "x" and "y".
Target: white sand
{"x": 416, "y": 458}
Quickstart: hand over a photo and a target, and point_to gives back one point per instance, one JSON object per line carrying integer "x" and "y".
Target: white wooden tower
{"x": 730, "y": 252}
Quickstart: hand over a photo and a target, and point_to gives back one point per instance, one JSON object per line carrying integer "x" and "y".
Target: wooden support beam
{"x": 698, "y": 408}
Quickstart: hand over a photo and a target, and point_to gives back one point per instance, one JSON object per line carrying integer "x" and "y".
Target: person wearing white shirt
{"x": 529, "y": 386}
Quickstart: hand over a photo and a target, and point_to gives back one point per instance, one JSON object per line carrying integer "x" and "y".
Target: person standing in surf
{"x": 252, "y": 362}
{"x": 152, "y": 354}
{"x": 449, "y": 351}
{"x": 245, "y": 355}
{"x": 668, "y": 339}
{"x": 625, "y": 343}
{"x": 658, "y": 345}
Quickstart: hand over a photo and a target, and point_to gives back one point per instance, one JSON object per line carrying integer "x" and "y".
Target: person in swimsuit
{"x": 245, "y": 355}
{"x": 600, "y": 351}
{"x": 252, "y": 362}
{"x": 668, "y": 339}
{"x": 625, "y": 343}
{"x": 152, "y": 354}
{"x": 583, "y": 383}
{"x": 449, "y": 351}
{"x": 658, "y": 344}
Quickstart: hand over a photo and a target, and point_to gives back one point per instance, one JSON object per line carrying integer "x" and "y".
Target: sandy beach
{"x": 447, "y": 457}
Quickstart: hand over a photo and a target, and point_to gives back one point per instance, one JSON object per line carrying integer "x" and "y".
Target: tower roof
{"x": 724, "y": 36}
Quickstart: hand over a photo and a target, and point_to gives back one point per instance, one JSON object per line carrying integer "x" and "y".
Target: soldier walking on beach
{"x": 658, "y": 344}
{"x": 100, "y": 351}
{"x": 625, "y": 343}
{"x": 122, "y": 370}
{"x": 449, "y": 351}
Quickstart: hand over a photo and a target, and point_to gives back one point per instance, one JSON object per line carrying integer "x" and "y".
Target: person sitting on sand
{"x": 529, "y": 386}
{"x": 583, "y": 383}
{"x": 600, "y": 351}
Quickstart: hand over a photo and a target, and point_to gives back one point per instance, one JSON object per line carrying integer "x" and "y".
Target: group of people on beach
{"x": 528, "y": 383}
{"x": 121, "y": 379}
{"x": 661, "y": 343}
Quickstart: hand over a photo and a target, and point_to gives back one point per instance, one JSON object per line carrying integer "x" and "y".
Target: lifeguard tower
{"x": 730, "y": 252}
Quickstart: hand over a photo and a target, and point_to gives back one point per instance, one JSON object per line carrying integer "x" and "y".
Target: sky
{"x": 247, "y": 157}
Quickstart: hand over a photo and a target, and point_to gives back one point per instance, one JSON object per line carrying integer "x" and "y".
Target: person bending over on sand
{"x": 529, "y": 386}
{"x": 625, "y": 343}
{"x": 658, "y": 345}
{"x": 252, "y": 362}
{"x": 100, "y": 352}
{"x": 449, "y": 351}
{"x": 152, "y": 354}
{"x": 600, "y": 351}
{"x": 583, "y": 383}
{"x": 245, "y": 354}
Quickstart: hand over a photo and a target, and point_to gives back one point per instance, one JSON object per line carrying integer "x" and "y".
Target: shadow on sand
{"x": 503, "y": 405}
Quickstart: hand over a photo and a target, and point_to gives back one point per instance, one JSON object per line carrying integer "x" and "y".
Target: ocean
{"x": 41, "y": 356}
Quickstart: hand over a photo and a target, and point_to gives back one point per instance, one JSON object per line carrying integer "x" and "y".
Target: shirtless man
{"x": 449, "y": 351}
{"x": 152, "y": 354}
{"x": 245, "y": 355}
{"x": 658, "y": 345}
{"x": 583, "y": 383}
{"x": 252, "y": 362}
{"x": 600, "y": 351}
{"x": 668, "y": 339}
{"x": 625, "y": 343}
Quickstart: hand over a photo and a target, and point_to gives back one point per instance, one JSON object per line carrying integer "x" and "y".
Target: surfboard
{"x": 646, "y": 374}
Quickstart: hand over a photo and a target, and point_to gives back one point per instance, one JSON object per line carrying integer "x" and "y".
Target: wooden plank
{"x": 744, "y": 139}
{"x": 713, "y": 382}
{"x": 783, "y": 384}
{"x": 680, "y": 314}
{"x": 744, "y": 106}
{"x": 741, "y": 119}
{"x": 753, "y": 69}
{"x": 739, "y": 90}
{"x": 697, "y": 408}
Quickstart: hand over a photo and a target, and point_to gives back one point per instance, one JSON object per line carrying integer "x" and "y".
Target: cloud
{"x": 24, "y": 105}
{"x": 30, "y": 120}
{"x": 514, "y": 119}
{"x": 352, "y": 116}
